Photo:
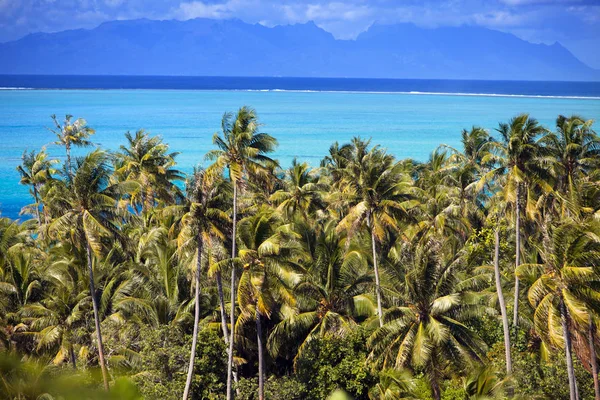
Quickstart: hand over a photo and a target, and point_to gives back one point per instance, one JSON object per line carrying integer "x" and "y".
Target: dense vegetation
{"x": 475, "y": 275}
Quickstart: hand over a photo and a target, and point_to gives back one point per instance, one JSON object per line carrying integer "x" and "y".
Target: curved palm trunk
{"x": 593, "y": 359}
{"x": 570, "y": 370}
{"x": 232, "y": 311}
{"x": 188, "y": 382}
{"x": 261, "y": 358}
{"x": 517, "y": 257}
{"x": 96, "y": 317}
{"x": 376, "y": 269}
{"x": 501, "y": 302}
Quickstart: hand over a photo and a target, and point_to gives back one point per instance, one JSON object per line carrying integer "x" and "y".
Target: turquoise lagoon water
{"x": 305, "y": 123}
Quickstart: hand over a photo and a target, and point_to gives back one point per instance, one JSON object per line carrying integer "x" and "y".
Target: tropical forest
{"x": 473, "y": 275}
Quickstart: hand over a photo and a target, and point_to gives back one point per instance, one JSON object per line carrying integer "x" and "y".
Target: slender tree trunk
{"x": 190, "y": 374}
{"x": 96, "y": 317}
{"x": 72, "y": 355}
{"x": 501, "y": 303}
{"x": 436, "y": 392}
{"x": 517, "y": 257}
{"x": 233, "y": 285}
{"x": 570, "y": 370}
{"x": 219, "y": 281}
{"x": 593, "y": 359}
{"x": 376, "y": 269}
{"x": 68, "y": 148}
{"x": 37, "y": 205}
{"x": 261, "y": 358}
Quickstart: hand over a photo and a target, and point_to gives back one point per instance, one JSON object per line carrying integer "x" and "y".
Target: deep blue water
{"x": 305, "y": 115}
{"x": 529, "y": 88}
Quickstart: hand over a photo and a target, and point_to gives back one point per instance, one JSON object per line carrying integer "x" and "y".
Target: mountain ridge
{"x": 234, "y": 48}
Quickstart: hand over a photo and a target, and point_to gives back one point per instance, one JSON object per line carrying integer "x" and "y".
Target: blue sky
{"x": 574, "y": 23}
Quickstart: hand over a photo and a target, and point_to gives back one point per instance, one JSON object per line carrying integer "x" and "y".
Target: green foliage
{"x": 330, "y": 363}
{"x": 32, "y": 380}
{"x": 371, "y": 277}
{"x": 285, "y": 387}
{"x": 164, "y": 355}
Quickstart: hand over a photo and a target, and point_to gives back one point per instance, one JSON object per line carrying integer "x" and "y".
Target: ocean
{"x": 408, "y": 117}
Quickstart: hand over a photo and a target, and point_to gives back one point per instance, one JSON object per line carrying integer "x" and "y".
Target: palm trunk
{"x": 96, "y": 317}
{"x": 570, "y": 370}
{"x": 593, "y": 359}
{"x": 219, "y": 281}
{"x": 72, "y": 355}
{"x": 436, "y": 392}
{"x": 68, "y": 149}
{"x": 501, "y": 302}
{"x": 232, "y": 311}
{"x": 517, "y": 257}
{"x": 188, "y": 382}
{"x": 37, "y": 205}
{"x": 261, "y": 358}
{"x": 376, "y": 269}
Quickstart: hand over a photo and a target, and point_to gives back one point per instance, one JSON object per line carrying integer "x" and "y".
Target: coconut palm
{"x": 54, "y": 318}
{"x": 204, "y": 220}
{"x": 36, "y": 170}
{"x": 146, "y": 159}
{"x": 428, "y": 332}
{"x": 394, "y": 385}
{"x": 467, "y": 166}
{"x": 243, "y": 150}
{"x": 272, "y": 260}
{"x": 562, "y": 283}
{"x": 90, "y": 218}
{"x": 377, "y": 190}
{"x": 519, "y": 157}
{"x": 576, "y": 150}
{"x": 330, "y": 298}
{"x": 301, "y": 193}
{"x": 484, "y": 384}
{"x": 439, "y": 208}
{"x": 70, "y": 134}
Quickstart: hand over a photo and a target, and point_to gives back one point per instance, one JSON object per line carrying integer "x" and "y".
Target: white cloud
{"x": 113, "y": 3}
{"x": 198, "y": 9}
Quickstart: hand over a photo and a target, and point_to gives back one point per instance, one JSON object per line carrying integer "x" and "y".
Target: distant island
{"x": 205, "y": 47}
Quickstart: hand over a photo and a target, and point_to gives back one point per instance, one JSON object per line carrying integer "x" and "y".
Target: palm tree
{"x": 394, "y": 385}
{"x": 575, "y": 148}
{"x": 468, "y": 166}
{"x": 243, "y": 150}
{"x": 90, "y": 218}
{"x": 519, "y": 157}
{"x": 204, "y": 220}
{"x": 378, "y": 191}
{"x": 36, "y": 170}
{"x": 272, "y": 262}
{"x": 54, "y": 318}
{"x": 330, "y": 298}
{"x": 439, "y": 208}
{"x": 429, "y": 332}
{"x": 147, "y": 160}
{"x": 71, "y": 134}
{"x": 562, "y": 283}
{"x": 301, "y": 193}
{"x": 484, "y": 384}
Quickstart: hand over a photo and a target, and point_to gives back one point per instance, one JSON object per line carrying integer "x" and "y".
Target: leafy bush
{"x": 331, "y": 363}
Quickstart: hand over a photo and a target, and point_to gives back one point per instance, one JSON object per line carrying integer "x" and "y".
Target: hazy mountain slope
{"x": 232, "y": 47}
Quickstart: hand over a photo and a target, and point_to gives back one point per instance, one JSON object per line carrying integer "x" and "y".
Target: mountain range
{"x": 235, "y": 48}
